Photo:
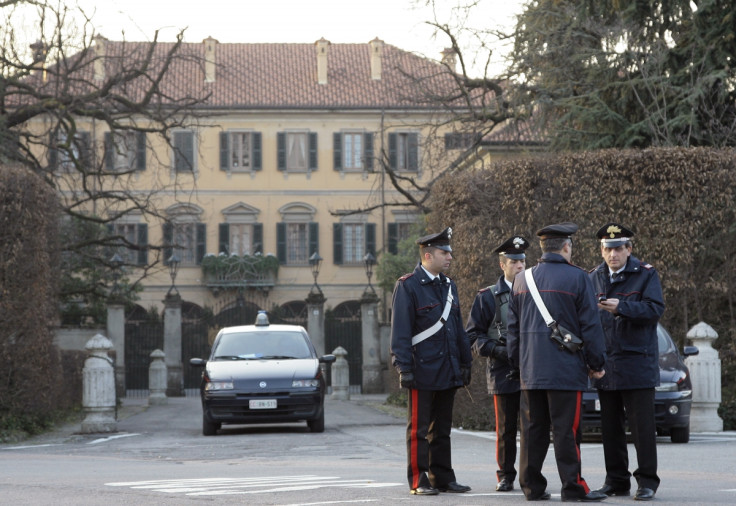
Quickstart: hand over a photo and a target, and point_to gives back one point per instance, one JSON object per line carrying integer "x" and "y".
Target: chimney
{"x": 376, "y": 55}
{"x": 210, "y": 59}
{"x": 449, "y": 58}
{"x": 100, "y": 56}
{"x": 322, "y": 47}
{"x": 39, "y": 50}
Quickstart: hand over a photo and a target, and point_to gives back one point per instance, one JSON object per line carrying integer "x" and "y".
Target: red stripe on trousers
{"x": 575, "y": 428}
{"x": 498, "y": 435}
{"x": 414, "y": 443}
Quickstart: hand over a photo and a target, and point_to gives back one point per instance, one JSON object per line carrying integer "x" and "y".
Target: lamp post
{"x": 173, "y": 262}
{"x": 369, "y": 261}
{"x": 315, "y": 262}
{"x": 116, "y": 262}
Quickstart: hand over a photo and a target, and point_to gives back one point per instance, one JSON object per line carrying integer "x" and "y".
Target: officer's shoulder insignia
{"x": 647, "y": 266}
{"x": 406, "y": 276}
{"x": 485, "y": 289}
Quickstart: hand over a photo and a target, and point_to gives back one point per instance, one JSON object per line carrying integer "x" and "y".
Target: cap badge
{"x": 518, "y": 242}
{"x": 449, "y": 232}
{"x": 613, "y": 230}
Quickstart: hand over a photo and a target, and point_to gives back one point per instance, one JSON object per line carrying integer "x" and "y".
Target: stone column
{"x": 172, "y": 345}
{"x": 705, "y": 372}
{"x": 340, "y": 375}
{"x": 316, "y": 320}
{"x": 371, "y": 344}
{"x": 98, "y": 387}
{"x": 116, "y": 334}
{"x": 157, "y": 379}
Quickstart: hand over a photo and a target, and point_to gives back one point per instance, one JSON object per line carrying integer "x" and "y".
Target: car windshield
{"x": 262, "y": 346}
{"x": 664, "y": 341}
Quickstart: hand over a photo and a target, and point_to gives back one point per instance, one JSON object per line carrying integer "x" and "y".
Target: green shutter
{"x": 109, "y": 151}
{"x": 53, "y": 151}
{"x": 143, "y": 244}
{"x": 312, "y": 151}
{"x": 337, "y": 150}
{"x": 413, "y": 148}
{"x": 140, "y": 152}
{"x": 281, "y": 153}
{"x": 168, "y": 241}
{"x": 201, "y": 242}
{"x": 393, "y": 238}
{"x": 257, "y": 162}
{"x": 370, "y": 238}
{"x": 368, "y": 151}
{"x": 224, "y": 151}
{"x": 257, "y": 238}
{"x": 281, "y": 242}
{"x": 337, "y": 243}
{"x": 224, "y": 238}
{"x": 313, "y": 237}
{"x": 392, "y": 151}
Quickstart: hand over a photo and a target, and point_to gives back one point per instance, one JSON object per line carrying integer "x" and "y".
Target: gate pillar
{"x": 371, "y": 344}
{"x": 316, "y": 320}
{"x": 172, "y": 345}
{"x": 116, "y": 334}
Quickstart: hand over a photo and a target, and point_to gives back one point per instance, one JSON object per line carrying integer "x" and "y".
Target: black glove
{"x": 465, "y": 371}
{"x": 500, "y": 353}
{"x": 513, "y": 375}
{"x": 406, "y": 380}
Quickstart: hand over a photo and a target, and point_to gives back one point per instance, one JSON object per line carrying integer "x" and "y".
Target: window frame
{"x": 341, "y": 152}
{"x": 403, "y": 151}
{"x": 255, "y": 150}
{"x": 184, "y": 150}
{"x": 283, "y": 147}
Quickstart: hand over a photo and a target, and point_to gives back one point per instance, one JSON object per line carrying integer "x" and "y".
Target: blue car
{"x": 262, "y": 373}
{"x": 673, "y": 397}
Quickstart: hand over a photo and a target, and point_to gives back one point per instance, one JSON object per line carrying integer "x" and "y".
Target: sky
{"x": 401, "y": 23}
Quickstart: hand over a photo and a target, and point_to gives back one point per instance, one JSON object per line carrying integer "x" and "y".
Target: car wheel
{"x": 680, "y": 434}
{"x": 318, "y": 424}
{"x": 209, "y": 428}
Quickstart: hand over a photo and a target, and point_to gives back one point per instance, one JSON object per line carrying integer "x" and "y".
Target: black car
{"x": 672, "y": 399}
{"x": 262, "y": 373}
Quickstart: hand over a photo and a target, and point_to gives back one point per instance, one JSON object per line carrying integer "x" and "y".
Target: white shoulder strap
{"x": 437, "y": 326}
{"x": 537, "y": 299}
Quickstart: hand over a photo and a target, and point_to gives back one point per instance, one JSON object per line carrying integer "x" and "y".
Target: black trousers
{"x": 562, "y": 410}
{"x": 428, "y": 427}
{"x": 507, "y": 415}
{"x": 638, "y": 406}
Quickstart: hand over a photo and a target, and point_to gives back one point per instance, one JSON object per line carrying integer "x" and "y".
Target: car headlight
{"x": 218, "y": 385}
{"x": 667, "y": 387}
{"x": 305, "y": 383}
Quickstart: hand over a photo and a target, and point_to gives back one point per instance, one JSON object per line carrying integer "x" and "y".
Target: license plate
{"x": 597, "y": 404}
{"x": 262, "y": 404}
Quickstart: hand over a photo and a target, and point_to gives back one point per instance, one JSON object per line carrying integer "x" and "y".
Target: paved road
{"x": 159, "y": 456}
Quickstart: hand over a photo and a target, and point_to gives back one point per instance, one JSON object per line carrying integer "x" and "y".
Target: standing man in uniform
{"x": 631, "y": 304}
{"x": 553, "y": 377}
{"x": 431, "y": 352}
{"x": 486, "y": 329}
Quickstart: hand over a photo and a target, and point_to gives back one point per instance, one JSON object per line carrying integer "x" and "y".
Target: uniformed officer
{"x": 486, "y": 329}
{"x": 631, "y": 304}
{"x": 552, "y": 379}
{"x": 431, "y": 353}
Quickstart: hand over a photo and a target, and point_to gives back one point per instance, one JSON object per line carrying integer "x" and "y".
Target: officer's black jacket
{"x": 631, "y": 335}
{"x": 417, "y": 305}
{"x": 480, "y": 323}
{"x": 568, "y": 294}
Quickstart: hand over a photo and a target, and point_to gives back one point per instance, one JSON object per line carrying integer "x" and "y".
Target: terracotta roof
{"x": 520, "y": 132}
{"x": 277, "y": 76}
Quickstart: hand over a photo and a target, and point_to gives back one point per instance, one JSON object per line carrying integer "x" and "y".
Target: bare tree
{"x": 59, "y": 96}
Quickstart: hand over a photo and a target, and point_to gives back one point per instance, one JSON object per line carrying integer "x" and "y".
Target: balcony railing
{"x": 235, "y": 271}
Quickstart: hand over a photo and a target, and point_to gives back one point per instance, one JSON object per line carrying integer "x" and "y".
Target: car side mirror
{"x": 689, "y": 351}
{"x": 327, "y": 359}
{"x": 197, "y": 362}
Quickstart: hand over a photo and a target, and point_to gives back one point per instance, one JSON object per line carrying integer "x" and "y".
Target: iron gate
{"x": 343, "y": 327}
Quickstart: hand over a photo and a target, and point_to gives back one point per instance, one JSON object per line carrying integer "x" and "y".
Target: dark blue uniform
{"x": 552, "y": 380}
{"x": 486, "y": 329}
{"x": 436, "y": 363}
{"x": 632, "y": 371}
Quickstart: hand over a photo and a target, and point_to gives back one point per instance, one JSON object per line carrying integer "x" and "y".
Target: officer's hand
{"x": 500, "y": 353}
{"x": 513, "y": 375}
{"x": 465, "y": 371}
{"x": 406, "y": 380}
{"x": 596, "y": 374}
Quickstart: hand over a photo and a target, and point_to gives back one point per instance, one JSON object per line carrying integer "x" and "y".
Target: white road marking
{"x": 235, "y": 486}
{"x": 106, "y": 439}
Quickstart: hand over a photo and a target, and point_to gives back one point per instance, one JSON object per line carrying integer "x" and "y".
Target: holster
{"x": 565, "y": 339}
